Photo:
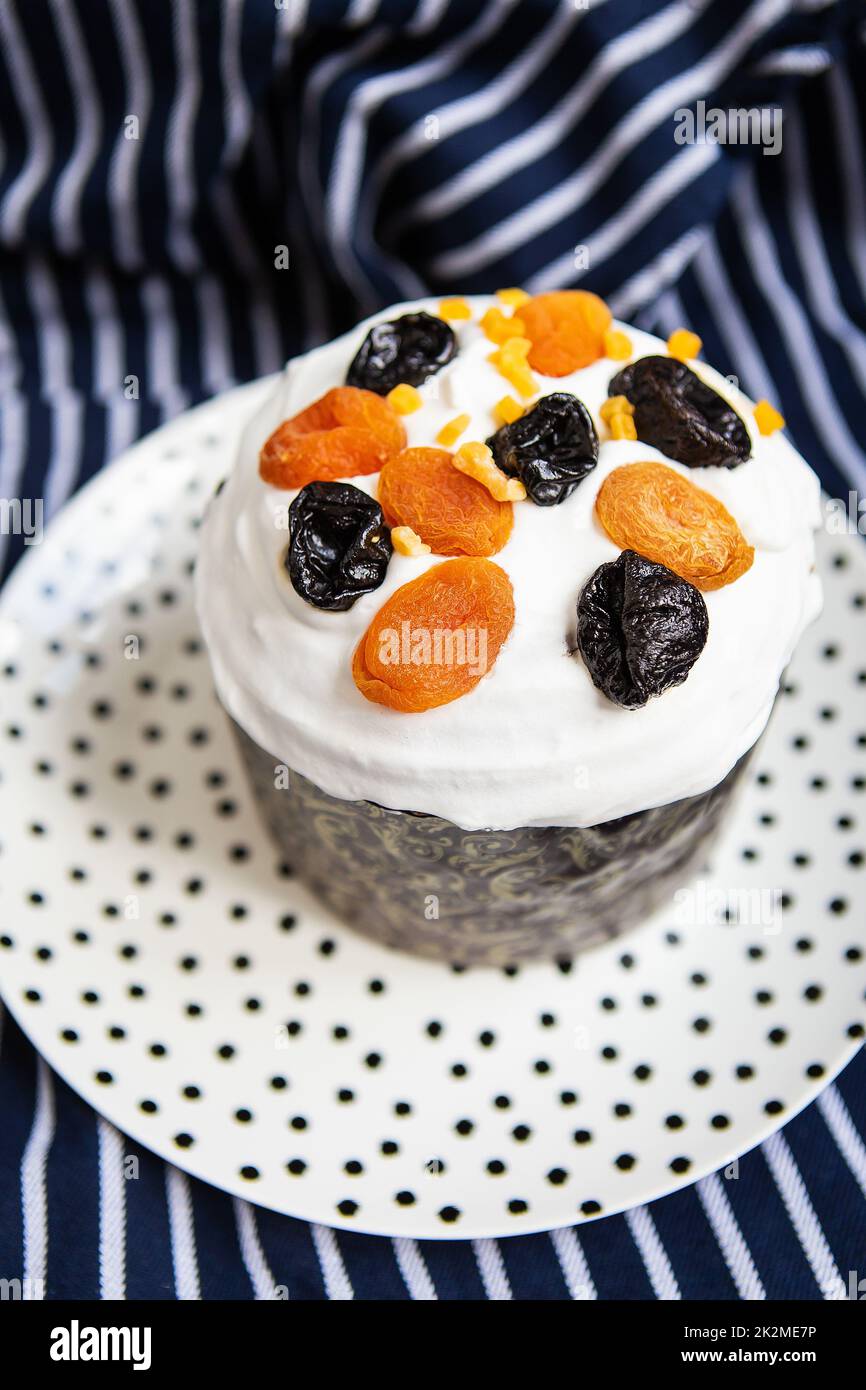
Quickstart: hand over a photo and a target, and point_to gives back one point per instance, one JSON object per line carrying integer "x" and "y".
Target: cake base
{"x": 482, "y": 897}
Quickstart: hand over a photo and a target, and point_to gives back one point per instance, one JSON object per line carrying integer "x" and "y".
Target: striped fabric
{"x": 159, "y": 159}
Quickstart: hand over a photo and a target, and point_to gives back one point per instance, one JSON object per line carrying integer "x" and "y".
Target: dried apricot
{"x": 452, "y": 513}
{"x": 654, "y": 510}
{"x": 435, "y": 637}
{"x": 566, "y": 329}
{"x": 346, "y": 432}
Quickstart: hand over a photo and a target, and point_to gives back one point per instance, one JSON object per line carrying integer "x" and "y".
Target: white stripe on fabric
{"x": 360, "y": 12}
{"x": 822, "y": 293}
{"x": 179, "y": 164}
{"x": 66, "y": 404}
{"x": 505, "y": 88}
{"x": 335, "y": 1277}
{"x": 793, "y": 323}
{"x": 291, "y": 18}
{"x": 108, "y": 343}
{"x": 495, "y": 166}
{"x": 123, "y": 423}
{"x": 559, "y": 202}
{"x": 238, "y": 120}
{"x": 34, "y": 1200}
{"x": 670, "y": 312}
{"x": 123, "y": 171}
{"x": 736, "y": 1253}
{"x": 427, "y": 16}
{"x": 849, "y": 151}
{"x": 658, "y": 1267}
{"x": 413, "y": 1267}
{"x": 109, "y": 355}
{"x": 40, "y": 141}
{"x": 803, "y": 61}
{"x": 67, "y": 420}
{"x": 216, "y": 366}
{"x": 162, "y": 347}
{"x": 13, "y": 420}
{"x": 112, "y": 1213}
{"x": 844, "y": 1131}
{"x": 238, "y": 107}
{"x": 733, "y": 325}
{"x": 13, "y": 452}
{"x": 347, "y": 166}
{"x": 659, "y": 190}
{"x": 491, "y": 1267}
{"x": 327, "y": 72}
{"x": 641, "y": 288}
{"x": 53, "y": 342}
{"x": 575, "y": 1270}
{"x": 263, "y": 1282}
{"x": 10, "y": 360}
{"x": 798, "y": 1205}
{"x": 66, "y": 206}
{"x": 184, "y": 1256}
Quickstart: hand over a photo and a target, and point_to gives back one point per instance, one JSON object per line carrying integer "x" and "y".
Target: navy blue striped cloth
{"x": 158, "y": 160}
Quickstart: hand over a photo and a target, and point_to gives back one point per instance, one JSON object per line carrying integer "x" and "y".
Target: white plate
{"x": 179, "y": 978}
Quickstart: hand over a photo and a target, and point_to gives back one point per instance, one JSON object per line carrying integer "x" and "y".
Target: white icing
{"x": 534, "y": 743}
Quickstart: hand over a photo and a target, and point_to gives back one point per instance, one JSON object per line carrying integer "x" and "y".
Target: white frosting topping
{"x": 534, "y": 743}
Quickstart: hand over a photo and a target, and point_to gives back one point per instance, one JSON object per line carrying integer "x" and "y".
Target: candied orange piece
{"x": 453, "y": 309}
{"x": 654, "y": 510}
{"x": 507, "y": 410}
{"x": 476, "y": 461}
{"x": 451, "y": 513}
{"x": 615, "y": 405}
{"x": 512, "y": 297}
{"x": 344, "y": 433}
{"x": 511, "y": 362}
{"x": 566, "y": 329}
{"x": 622, "y": 426}
{"x": 435, "y": 638}
{"x": 499, "y": 327}
{"x": 768, "y": 418}
{"x": 406, "y": 542}
{"x": 404, "y": 398}
{"x": 450, "y": 433}
{"x": 617, "y": 345}
{"x": 683, "y": 344}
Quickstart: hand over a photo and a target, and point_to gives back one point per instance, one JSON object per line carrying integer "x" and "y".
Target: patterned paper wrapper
{"x": 483, "y": 897}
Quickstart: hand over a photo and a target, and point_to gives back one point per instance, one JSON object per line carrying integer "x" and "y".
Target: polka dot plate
{"x": 179, "y": 978}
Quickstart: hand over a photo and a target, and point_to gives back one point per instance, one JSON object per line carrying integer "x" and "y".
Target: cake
{"x": 498, "y": 597}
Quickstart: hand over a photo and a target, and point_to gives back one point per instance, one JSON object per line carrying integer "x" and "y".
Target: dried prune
{"x": 339, "y": 545}
{"x": 680, "y": 415}
{"x": 653, "y": 509}
{"x": 640, "y": 628}
{"x": 408, "y": 349}
{"x": 453, "y": 514}
{"x": 344, "y": 433}
{"x": 550, "y": 448}
{"x": 435, "y": 637}
{"x": 566, "y": 329}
